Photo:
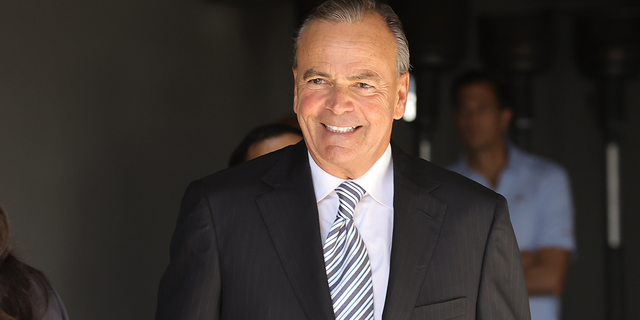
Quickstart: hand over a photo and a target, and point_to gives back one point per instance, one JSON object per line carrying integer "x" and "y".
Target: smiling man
{"x": 344, "y": 225}
{"x": 346, "y": 104}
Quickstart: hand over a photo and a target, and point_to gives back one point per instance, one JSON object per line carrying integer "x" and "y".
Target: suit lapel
{"x": 291, "y": 216}
{"x": 417, "y": 221}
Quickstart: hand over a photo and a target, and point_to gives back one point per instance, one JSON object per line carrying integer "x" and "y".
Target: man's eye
{"x": 317, "y": 81}
{"x": 363, "y": 85}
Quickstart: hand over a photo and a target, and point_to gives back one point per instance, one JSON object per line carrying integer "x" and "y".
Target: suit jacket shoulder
{"x": 447, "y": 186}
{"x": 252, "y": 232}
{"x": 454, "y": 253}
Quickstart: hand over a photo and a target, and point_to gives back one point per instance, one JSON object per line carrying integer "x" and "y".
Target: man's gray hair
{"x": 353, "y": 11}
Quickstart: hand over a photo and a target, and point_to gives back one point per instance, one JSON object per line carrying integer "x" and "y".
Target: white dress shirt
{"x": 373, "y": 217}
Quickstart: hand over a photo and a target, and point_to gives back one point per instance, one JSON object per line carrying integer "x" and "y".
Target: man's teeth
{"x": 340, "y": 129}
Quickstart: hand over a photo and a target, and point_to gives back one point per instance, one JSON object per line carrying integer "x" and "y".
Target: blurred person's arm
{"x": 545, "y": 270}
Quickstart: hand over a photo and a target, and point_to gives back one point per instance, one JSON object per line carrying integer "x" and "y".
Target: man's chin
{"x": 337, "y": 155}
{"x": 479, "y": 146}
{"x": 334, "y": 157}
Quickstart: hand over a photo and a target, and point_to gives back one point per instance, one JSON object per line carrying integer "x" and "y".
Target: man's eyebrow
{"x": 314, "y": 73}
{"x": 364, "y": 76}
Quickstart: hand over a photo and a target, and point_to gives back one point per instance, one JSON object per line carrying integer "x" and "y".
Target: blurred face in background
{"x": 479, "y": 118}
{"x": 347, "y": 93}
{"x": 272, "y": 144}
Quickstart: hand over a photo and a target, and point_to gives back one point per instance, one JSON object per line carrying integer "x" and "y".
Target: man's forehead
{"x": 477, "y": 94}
{"x": 367, "y": 44}
{"x": 478, "y": 88}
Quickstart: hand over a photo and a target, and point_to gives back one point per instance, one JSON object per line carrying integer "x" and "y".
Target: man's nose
{"x": 340, "y": 100}
{"x": 469, "y": 113}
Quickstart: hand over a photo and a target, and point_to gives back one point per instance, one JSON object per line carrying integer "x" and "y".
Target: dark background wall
{"x": 109, "y": 109}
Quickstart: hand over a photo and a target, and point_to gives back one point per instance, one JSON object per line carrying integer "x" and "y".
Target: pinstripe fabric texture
{"x": 347, "y": 261}
{"x": 247, "y": 247}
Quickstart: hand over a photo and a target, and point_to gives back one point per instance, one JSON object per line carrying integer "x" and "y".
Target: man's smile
{"x": 335, "y": 129}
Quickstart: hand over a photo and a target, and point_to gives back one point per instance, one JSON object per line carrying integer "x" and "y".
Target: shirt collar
{"x": 378, "y": 181}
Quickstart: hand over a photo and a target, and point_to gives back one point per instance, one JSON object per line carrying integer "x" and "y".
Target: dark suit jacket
{"x": 247, "y": 245}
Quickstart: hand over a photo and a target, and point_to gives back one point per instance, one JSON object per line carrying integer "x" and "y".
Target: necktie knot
{"x": 350, "y": 193}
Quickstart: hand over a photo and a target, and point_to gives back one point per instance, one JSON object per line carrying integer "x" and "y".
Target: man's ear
{"x": 403, "y": 91}
{"x": 506, "y": 114}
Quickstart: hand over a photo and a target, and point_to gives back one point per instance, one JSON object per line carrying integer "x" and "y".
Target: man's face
{"x": 347, "y": 93}
{"x": 480, "y": 121}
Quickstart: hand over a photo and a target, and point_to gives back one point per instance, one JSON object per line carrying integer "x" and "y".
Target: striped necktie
{"x": 347, "y": 260}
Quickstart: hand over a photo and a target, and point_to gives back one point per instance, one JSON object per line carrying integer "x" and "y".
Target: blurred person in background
{"x": 537, "y": 190}
{"x": 25, "y": 293}
{"x": 263, "y": 140}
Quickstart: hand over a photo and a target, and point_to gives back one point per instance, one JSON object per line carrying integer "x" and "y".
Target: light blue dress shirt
{"x": 538, "y": 193}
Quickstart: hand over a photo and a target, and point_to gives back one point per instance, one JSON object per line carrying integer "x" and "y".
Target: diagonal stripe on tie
{"x": 347, "y": 260}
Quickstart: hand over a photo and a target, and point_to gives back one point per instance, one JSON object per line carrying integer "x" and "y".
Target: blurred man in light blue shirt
{"x": 537, "y": 190}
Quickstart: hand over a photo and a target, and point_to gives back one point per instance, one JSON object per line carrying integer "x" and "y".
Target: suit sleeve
{"x": 190, "y": 287}
{"x": 503, "y": 291}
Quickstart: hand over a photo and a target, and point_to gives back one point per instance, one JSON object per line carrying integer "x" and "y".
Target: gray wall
{"x": 109, "y": 108}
